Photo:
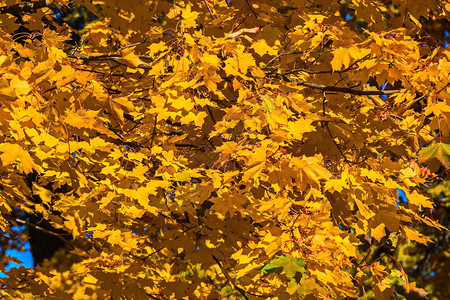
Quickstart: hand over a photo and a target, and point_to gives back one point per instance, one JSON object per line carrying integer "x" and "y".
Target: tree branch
{"x": 209, "y": 10}
{"x": 113, "y": 57}
{"x": 322, "y": 87}
{"x": 328, "y": 88}
{"x": 25, "y": 7}
{"x": 349, "y": 68}
{"x": 251, "y": 8}
{"x": 228, "y": 278}
{"x": 57, "y": 235}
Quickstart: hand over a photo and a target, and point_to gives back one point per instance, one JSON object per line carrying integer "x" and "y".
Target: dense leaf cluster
{"x": 225, "y": 149}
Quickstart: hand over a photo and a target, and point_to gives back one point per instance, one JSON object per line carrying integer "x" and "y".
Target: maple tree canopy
{"x": 223, "y": 149}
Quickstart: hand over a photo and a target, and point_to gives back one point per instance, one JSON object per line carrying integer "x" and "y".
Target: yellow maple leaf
{"x": 132, "y": 211}
{"x": 211, "y": 59}
{"x": 299, "y": 127}
{"x": 414, "y": 235}
{"x": 245, "y": 61}
{"x": 253, "y": 172}
{"x": 157, "y": 68}
{"x": 89, "y": 279}
{"x": 419, "y": 200}
{"x": 71, "y": 224}
{"x": 10, "y": 153}
{"x": 124, "y": 101}
{"x": 13, "y": 151}
{"x": 261, "y": 48}
{"x": 118, "y": 110}
{"x": 43, "y": 193}
{"x": 341, "y": 58}
{"x": 130, "y": 58}
{"x": 198, "y": 119}
{"x": 257, "y": 72}
{"x": 115, "y": 237}
{"x": 364, "y": 209}
{"x": 437, "y": 108}
{"x": 314, "y": 171}
{"x": 231, "y": 66}
{"x": 373, "y": 175}
{"x": 336, "y": 185}
{"x": 378, "y": 232}
{"x": 85, "y": 120}
{"x": 157, "y": 47}
{"x": 21, "y": 87}
{"x": 189, "y": 17}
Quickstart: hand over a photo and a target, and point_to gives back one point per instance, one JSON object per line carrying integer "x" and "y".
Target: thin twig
{"x": 25, "y": 7}
{"x": 147, "y": 256}
{"x": 211, "y": 114}
{"x": 328, "y": 88}
{"x": 57, "y": 235}
{"x": 251, "y": 8}
{"x": 154, "y": 132}
{"x": 349, "y": 68}
{"x": 228, "y": 278}
{"x": 364, "y": 259}
{"x": 129, "y": 46}
{"x": 337, "y": 145}
{"x": 209, "y": 9}
{"x": 110, "y": 57}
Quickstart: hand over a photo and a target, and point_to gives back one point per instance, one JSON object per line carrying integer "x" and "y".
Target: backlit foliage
{"x": 223, "y": 149}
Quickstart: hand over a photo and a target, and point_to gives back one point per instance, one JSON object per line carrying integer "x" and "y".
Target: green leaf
{"x": 289, "y": 265}
{"x": 440, "y": 151}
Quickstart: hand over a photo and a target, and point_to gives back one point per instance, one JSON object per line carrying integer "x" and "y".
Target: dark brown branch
{"x": 57, "y": 235}
{"x": 317, "y": 72}
{"x": 112, "y": 57}
{"x": 97, "y": 72}
{"x": 147, "y": 256}
{"x": 102, "y": 56}
{"x": 328, "y": 88}
{"x": 336, "y": 144}
{"x": 153, "y": 132}
{"x": 329, "y": 131}
{"x": 211, "y": 115}
{"x": 116, "y": 57}
{"x": 352, "y": 66}
{"x": 448, "y": 83}
{"x": 20, "y": 9}
{"x": 364, "y": 259}
{"x": 251, "y": 8}
{"x": 302, "y": 52}
{"x": 209, "y": 10}
{"x": 228, "y": 278}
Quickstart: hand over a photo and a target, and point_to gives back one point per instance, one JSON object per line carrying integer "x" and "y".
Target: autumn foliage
{"x": 224, "y": 149}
